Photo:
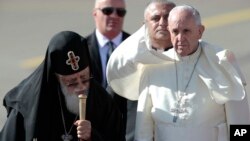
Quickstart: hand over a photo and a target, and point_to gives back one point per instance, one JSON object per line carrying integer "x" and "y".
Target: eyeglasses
{"x": 109, "y": 10}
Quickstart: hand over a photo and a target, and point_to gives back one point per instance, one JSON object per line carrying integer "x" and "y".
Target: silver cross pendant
{"x": 67, "y": 137}
{"x": 176, "y": 111}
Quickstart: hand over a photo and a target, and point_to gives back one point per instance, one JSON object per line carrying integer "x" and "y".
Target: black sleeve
{"x": 121, "y": 103}
{"x": 105, "y": 116}
{"x": 13, "y": 129}
{"x": 110, "y": 127}
{"x": 114, "y": 122}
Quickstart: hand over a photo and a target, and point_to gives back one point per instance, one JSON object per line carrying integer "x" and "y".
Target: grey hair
{"x": 194, "y": 12}
{"x": 164, "y": 2}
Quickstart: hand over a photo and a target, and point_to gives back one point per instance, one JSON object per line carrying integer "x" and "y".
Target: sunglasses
{"x": 121, "y": 12}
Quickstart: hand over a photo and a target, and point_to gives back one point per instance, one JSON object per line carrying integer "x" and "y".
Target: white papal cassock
{"x": 213, "y": 99}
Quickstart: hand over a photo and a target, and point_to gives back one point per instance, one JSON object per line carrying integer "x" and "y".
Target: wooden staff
{"x": 82, "y": 106}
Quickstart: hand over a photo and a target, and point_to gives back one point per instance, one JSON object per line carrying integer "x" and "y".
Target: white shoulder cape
{"x": 126, "y": 64}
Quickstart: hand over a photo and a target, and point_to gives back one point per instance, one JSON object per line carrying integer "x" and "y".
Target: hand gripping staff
{"x": 82, "y": 106}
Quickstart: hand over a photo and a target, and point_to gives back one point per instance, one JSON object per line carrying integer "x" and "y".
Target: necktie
{"x": 110, "y": 50}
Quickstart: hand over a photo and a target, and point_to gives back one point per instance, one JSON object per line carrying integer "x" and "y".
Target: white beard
{"x": 72, "y": 101}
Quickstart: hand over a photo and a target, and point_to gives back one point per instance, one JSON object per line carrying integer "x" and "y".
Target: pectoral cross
{"x": 177, "y": 110}
{"x": 67, "y": 137}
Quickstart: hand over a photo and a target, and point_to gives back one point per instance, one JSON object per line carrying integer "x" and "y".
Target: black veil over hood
{"x": 36, "y": 94}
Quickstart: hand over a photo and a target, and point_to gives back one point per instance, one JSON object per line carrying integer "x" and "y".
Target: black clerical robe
{"x": 33, "y": 106}
{"x": 34, "y": 111}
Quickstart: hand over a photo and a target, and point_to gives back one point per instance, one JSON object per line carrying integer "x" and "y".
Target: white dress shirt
{"x": 103, "y": 50}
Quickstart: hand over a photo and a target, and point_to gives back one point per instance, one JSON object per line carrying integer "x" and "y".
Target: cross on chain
{"x": 67, "y": 137}
{"x": 177, "y": 110}
{"x": 73, "y": 60}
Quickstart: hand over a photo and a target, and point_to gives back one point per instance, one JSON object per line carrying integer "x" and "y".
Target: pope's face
{"x": 156, "y": 19}
{"x": 185, "y": 32}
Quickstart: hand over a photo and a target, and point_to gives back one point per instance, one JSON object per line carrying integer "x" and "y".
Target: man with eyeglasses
{"x": 109, "y": 17}
{"x": 45, "y": 107}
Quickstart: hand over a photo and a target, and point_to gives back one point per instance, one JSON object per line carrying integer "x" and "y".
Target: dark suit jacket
{"x": 95, "y": 55}
{"x": 96, "y": 69}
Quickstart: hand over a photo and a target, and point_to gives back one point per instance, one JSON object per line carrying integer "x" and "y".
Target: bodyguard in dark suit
{"x": 109, "y": 17}
{"x": 94, "y": 48}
